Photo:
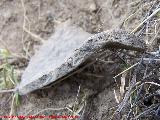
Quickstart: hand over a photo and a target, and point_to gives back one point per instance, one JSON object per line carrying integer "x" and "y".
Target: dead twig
{"x": 149, "y": 17}
{"x": 127, "y": 69}
{"x": 127, "y": 95}
{"x": 7, "y": 91}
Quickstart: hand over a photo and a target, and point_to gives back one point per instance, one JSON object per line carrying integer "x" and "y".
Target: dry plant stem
{"x": 126, "y": 70}
{"x": 149, "y": 17}
{"x": 24, "y": 25}
{"x": 147, "y": 36}
{"x": 153, "y": 83}
{"x": 76, "y": 101}
{"x": 127, "y": 95}
{"x": 136, "y": 1}
{"x": 81, "y": 116}
{"x": 33, "y": 35}
{"x": 7, "y": 91}
{"x": 122, "y": 87}
{"x": 4, "y": 74}
{"x": 12, "y": 106}
{"x": 137, "y": 9}
{"x": 149, "y": 59}
{"x": 152, "y": 41}
{"x": 11, "y": 80}
{"x": 136, "y": 99}
{"x": 146, "y": 111}
{"x": 116, "y": 96}
{"x": 130, "y": 16}
{"x": 71, "y": 111}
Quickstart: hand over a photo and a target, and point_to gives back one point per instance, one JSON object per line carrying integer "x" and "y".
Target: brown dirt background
{"x": 42, "y": 17}
{"x": 91, "y": 15}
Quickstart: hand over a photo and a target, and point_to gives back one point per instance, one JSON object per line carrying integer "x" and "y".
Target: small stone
{"x": 92, "y": 7}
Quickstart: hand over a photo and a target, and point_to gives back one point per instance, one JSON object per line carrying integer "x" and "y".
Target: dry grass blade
{"x": 7, "y": 91}
{"x": 153, "y": 83}
{"x": 126, "y": 70}
{"x": 24, "y": 25}
{"x": 12, "y": 106}
{"x": 72, "y": 111}
{"x": 33, "y": 35}
{"x": 122, "y": 87}
{"x": 149, "y": 17}
{"x": 116, "y": 96}
{"x": 152, "y": 41}
{"x": 145, "y": 112}
{"x": 127, "y": 95}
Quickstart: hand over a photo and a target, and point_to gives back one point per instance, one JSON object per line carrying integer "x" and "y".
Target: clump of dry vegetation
{"x": 139, "y": 91}
{"x": 141, "y": 99}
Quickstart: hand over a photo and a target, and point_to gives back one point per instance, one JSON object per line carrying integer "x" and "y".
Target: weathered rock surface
{"x": 68, "y": 48}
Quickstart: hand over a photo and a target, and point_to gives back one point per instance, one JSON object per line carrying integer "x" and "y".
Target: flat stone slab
{"x": 67, "y": 49}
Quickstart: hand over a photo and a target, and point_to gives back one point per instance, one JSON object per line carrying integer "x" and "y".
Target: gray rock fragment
{"x": 68, "y": 48}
